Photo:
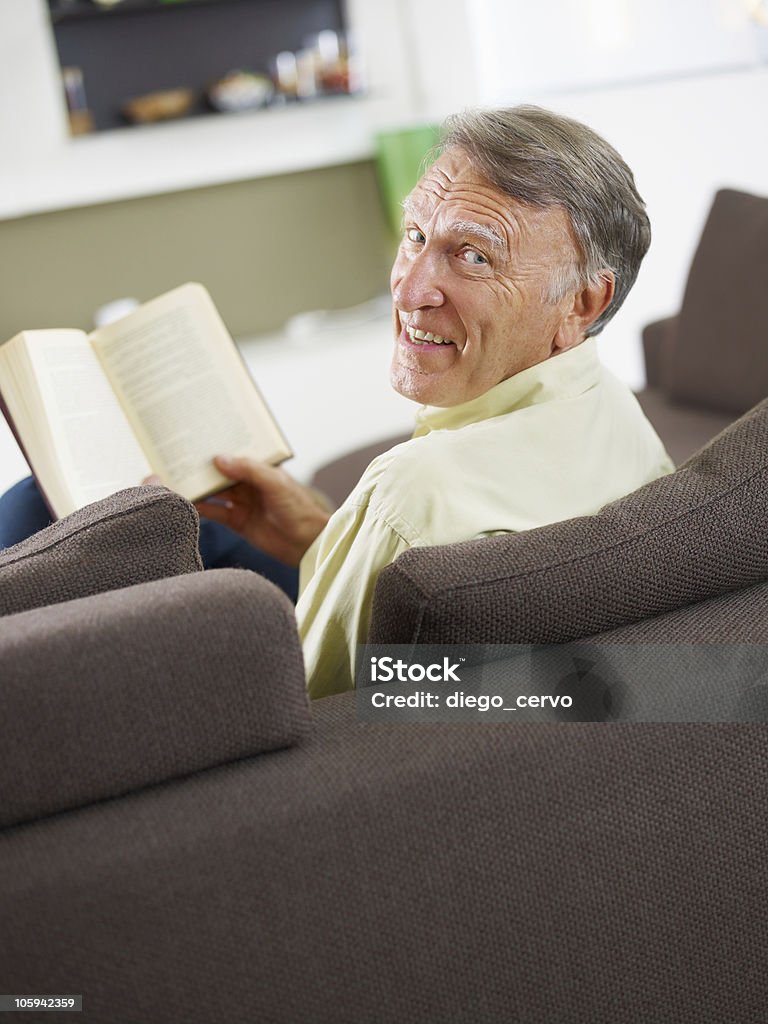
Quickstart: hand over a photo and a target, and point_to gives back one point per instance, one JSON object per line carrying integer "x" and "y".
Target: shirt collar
{"x": 562, "y": 376}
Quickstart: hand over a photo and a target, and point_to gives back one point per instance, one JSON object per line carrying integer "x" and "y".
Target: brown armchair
{"x": 709, "y": 364}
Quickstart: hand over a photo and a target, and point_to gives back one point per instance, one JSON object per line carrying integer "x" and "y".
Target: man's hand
{"x": 267, "y": 507}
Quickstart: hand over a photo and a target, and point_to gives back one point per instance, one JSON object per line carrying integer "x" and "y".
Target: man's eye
{"x": 473, "y": 257}
{"x": 414, "y": 235}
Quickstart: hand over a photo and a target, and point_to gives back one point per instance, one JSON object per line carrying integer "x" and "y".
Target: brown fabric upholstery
{"x": 719, "y": 356}
{"x": 683, "y": 428}
{"x": 471, "y": 875}
{"x": 657, "y": 337}
{"x": 737, "y": 617}
{"x": 107, "y": 694}
{"x": 684, "y": 538}
{"x": 140, "y": 534}
{"x": 705, "y": 662}
{"x": 372, "y": 873}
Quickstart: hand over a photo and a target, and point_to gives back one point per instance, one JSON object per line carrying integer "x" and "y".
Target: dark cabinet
{"x": 138, "y": 47}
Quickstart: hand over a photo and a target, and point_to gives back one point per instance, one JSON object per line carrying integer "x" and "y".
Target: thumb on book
{"x": 243, "y": 469}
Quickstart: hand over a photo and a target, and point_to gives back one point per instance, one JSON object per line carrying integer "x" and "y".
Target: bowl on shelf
{"x": 240, "y": 90}
{"x": 159, "y": 106}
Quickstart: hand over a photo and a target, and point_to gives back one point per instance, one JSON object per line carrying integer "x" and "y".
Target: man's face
{"x": 472, "y": 268}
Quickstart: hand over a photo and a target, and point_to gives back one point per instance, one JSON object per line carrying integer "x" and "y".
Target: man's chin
{"x": 404, "y": 383}
{"x": 423, "y": 388}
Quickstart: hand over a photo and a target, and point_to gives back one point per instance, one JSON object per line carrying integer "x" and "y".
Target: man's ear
{"x": 587, "y": 305}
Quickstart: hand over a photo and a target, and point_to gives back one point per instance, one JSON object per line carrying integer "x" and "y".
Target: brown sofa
{"x": 182, "y": 838}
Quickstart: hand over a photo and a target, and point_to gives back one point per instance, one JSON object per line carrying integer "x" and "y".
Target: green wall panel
{"x": 266, "y": 249}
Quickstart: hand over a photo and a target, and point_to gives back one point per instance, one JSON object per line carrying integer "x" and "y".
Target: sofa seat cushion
{"x": 683, "y": 428}
{"x": 684, "y": 538}
{"x": 136, "y": 535}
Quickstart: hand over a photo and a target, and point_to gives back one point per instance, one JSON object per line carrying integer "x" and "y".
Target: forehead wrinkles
{"x": 459, "y": 200}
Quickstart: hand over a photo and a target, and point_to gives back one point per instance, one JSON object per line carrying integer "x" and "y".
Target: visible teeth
{"x": 419, "y": 336}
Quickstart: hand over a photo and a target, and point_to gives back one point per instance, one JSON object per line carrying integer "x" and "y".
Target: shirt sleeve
{"x": 334, "y": 609}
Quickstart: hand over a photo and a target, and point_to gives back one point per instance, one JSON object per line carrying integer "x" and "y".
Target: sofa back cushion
{"x": 136, "y": 535}
{"x": 684, "y": 538}
{"x": 719, "y": 355}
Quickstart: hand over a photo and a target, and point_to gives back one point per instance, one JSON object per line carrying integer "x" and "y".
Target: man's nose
{"x": 416, "y": 283}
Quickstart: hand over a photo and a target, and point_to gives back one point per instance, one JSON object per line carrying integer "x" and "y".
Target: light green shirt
{"x": 558, "y": 440}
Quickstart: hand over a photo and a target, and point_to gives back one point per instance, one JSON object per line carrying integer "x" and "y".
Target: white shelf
{"x": 193, "y": 153}
{"x": 46, "y": 170}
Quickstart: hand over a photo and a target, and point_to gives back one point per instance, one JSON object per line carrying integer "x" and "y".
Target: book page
{"x": 186, "y": 391}
{"x": 92, "y": 439}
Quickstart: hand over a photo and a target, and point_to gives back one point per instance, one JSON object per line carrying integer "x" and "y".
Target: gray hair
{"x": 544, "y": 159}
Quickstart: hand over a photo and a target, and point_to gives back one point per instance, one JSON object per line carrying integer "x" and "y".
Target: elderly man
{"x": 519, "y": 244}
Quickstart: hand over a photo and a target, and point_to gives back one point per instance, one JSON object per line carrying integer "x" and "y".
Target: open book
{"x": 161, "y": 391}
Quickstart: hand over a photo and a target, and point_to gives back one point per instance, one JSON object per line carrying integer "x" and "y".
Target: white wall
{"x": 32, "y": 109}
{"x": 576, "y": 44}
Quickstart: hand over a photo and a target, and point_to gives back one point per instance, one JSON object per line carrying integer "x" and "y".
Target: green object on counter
{"x": 400, "y": 160}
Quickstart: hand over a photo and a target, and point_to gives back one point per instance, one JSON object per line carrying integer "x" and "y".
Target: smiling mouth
{"x": 419, "y": 337}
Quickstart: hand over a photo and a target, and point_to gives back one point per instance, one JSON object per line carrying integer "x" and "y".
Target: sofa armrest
{"x": 658, "y": 337}
{"x": 136, "y": 535}
{"x": 105, "y": 695}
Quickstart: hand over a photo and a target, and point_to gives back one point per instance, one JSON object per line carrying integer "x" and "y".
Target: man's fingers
{"x": 216, "y": 510}
{"x": 247, "y": 470}
{"x": 152, "y": 480}
{"x": 234, "y": 468}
